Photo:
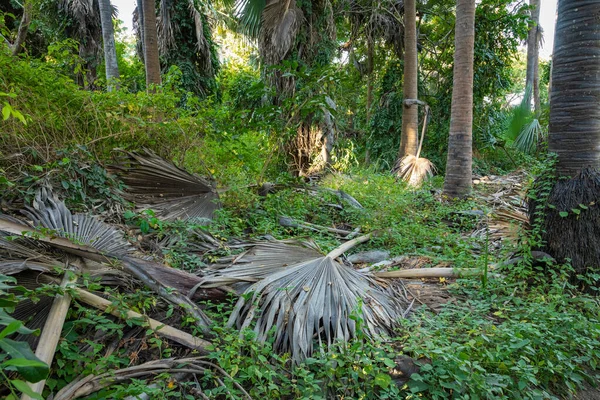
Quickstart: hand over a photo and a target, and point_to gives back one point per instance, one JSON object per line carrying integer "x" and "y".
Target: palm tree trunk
{"x": 370, "y": 62}
{"x": 410, "y": 113}
{"x": 151, "y": 44}
{"x": 571, "y": 229}
{"x": 23, "y": 28}
{"x": 533, "y": 50}
{"x": 460, "y": 143}
{"x": 110, "y": 51}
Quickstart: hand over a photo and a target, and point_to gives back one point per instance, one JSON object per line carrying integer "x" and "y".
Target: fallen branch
{"x": 52, "y": 329}
{"x": 431, "y": 273}
{"x": 162, "y": 329}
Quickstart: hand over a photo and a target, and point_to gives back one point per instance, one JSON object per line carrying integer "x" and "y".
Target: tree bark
{"x": 458, "y": 180}
{"x": 110, "y": 51}
{"x": 23, "y": 28}
{"x": 151, "y": 44}
{"x": 574, "y": 132}
{"x": 410, "y": 114}
{"x": 533, "y": 50}
{"x": 370, "y": 59}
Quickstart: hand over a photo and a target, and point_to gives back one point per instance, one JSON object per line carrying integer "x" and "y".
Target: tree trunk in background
{"x": 23, "y": 28}
{"x": 410, "y": 114}
{"x": 458, "y": 180}
{"x": 151, "y": 59}
{"x": 140, "y": 13}
{"x": 110, "y": 51}
{"x": 574, "y": 135}
{"x": 533, "y": 51}
{"x": 370, "y": 56}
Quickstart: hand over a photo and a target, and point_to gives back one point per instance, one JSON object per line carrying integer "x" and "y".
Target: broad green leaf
{"x": 6, "y": 111}
{"x": 24, "y": 387}
{"x": 22, "y": 350}
{"x": 563, "y": 214}
{"x": 382, "y": 380}
{"x": 10, "y": 328}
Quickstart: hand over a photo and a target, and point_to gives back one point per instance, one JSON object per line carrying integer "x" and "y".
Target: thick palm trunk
{"x": 110, "y": 51}
{"x": 410, "y": 113}
{"x": 533, "y": 50}
{"x": 151, "y": 59}
{"x": 460, "y": 143}
{"x": 571, "y": 228}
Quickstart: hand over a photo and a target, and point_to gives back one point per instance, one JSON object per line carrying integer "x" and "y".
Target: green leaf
{"x": 22, "y": 350}
{"x": 576, "y": 210}
{"x": 583, "y": 206}
{"x": 382, "y": 380}
{"x": 21, "y": 362}
{"x": 563, "y": 214}
{"x": 6, "y": 111}
{"x": 10, "y": 328}
{"x": 24, "y": 387}
{"x": 6, "y": 303}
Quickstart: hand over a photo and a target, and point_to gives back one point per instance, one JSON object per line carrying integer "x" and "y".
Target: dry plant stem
{"x": 335, "y": 253}
{"x": 431, "y": 273}
{"x": 162, "y": 329}
{"x": 51, "y": 332}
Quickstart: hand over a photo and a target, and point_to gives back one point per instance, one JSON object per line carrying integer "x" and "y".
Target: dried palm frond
{"x": 152, "y": 182}
{"x": 317, "y": 300}
{"x": 412, "y": 168}
{"x": 281, "y": 21}
{"x": 165, "y": 28}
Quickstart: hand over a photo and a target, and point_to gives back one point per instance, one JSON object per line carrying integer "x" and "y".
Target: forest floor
{"x": 519, "y": 330}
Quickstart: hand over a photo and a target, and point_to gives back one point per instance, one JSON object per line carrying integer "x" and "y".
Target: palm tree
{"x": 108, "y": 38}
{"x": 304, "y": 35}
{"x": 151, "y": 59}
{"x": 23, "y": 28}
{"x": 571, "y": 227}
{"x": 460, "y": 143}
{"x": 533, "y": 50}
{"x": 410, "y": 111}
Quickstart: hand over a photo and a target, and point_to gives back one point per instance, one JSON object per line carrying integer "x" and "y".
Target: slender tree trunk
{"x": 370, "y": 57}
{"x": 110, "y": 51}
{"x": 151, "y": 44}
{"x": 140, "y": 11}
{"x": 23, "y": 28}
{"x": 460, "y": 143}
{"x": 533, "y": 50}
{"x": 410, "y": 113}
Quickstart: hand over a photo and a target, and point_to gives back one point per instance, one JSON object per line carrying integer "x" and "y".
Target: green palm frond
{"x": 249, "y": 14}
{"x": 520, "y": 116}
{"x": 530, "y": 136}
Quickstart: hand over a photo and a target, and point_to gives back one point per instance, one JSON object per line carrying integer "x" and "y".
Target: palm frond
{"x": 520, "y": 116}
{"x": 165, "y": 28}
{"x": 170, "y": 191}
{"x": 530, "y": 136}
{"x": 201, "y": 42}
{"x": 281, "y": 21}
{"x": 414, "y": 170}
{"x": 249, "y": 13}
{"x": 315, "y": 300}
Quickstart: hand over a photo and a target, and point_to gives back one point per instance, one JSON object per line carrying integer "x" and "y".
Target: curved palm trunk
{"x": 410, "y": 111}
{"x": 533, "y": 50}
{"x": 151, "y": 59}
{"x": 571, "y": 229}
{"x": 23, "y": 28}
{"x": 110, "y": 51}
{"x": 460, "y": 151}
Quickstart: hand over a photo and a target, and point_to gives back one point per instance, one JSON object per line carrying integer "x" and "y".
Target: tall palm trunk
{"x": 533, "y": 51}
{"x": 151, "y": 59}
{"x": 460, "y": 143}
{"x": 410, "y": 111}
{"x": 572, "y": 227}
{"x": 108, "y": 39}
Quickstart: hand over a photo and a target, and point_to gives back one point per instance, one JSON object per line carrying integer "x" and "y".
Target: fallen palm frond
{"x": 414, "y": 169}
{"x": 157, "y": 184}
{"x": 194, "y": 366}
{"x": 318, "y": 300}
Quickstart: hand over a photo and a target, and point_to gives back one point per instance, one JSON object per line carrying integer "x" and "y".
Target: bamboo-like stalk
{"x": 52, "y": 329}
{"x": 431, "y": 273}
{"x": 162, "y": 329}
{"x": 335, "y": 253}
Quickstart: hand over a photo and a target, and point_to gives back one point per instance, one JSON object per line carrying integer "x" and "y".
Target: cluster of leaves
{"x": 16, "y": 357}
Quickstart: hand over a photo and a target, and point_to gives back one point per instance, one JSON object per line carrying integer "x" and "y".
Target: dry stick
{"x": 51, "y": 332}
{"x": 431, "y": 273}
{"x": 162, "y": 329}
{"x": 335, "y": 253}
{"x": 425, "y": 118}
